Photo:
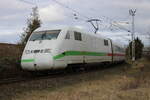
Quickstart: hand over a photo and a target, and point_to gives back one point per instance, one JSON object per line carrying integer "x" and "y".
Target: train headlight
{"x": 47, "y": 51}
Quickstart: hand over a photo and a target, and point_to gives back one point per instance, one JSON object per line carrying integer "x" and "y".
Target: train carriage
{"x": 57, "y": 48}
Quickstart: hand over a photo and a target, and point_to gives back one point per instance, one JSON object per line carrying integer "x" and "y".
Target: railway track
{"x": 49, "y": 75}
{"x": 28, "y": 78}
{"x": 10, "y": 80}
{"x": 37, "y": 76}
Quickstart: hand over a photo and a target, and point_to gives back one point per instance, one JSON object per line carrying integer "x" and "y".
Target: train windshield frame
{"x": 44, "y": 35}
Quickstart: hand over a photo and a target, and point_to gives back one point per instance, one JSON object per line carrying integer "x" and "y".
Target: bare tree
{"x": 32, "y": 23}
{"x": 139, "y": 49}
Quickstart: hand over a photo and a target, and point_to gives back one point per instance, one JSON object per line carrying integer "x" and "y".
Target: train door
{"x": 78, "y": 47}
{"x": 88, "y": 47}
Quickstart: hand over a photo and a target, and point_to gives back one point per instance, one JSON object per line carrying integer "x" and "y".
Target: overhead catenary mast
{"x": 132, "y": 13}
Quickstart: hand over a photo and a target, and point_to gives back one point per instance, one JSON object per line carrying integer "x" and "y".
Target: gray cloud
{"x": 14, "y": 14}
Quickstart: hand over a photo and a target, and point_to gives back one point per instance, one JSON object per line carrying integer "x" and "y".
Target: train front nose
{"x": 37, "y": 62}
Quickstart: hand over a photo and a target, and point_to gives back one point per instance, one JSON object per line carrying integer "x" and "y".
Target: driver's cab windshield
{"x": 45, "y": 35}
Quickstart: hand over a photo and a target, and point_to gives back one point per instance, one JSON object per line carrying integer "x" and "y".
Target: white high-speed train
{"x": 57, "y": 48}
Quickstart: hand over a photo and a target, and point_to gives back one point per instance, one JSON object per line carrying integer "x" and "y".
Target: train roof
{"x": 76, "y": 29}
{"x": 48, "y": 29}
{"x": 70, "y": 28}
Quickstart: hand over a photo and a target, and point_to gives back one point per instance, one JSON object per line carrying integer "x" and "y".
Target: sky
{"x": 56, "y": 13}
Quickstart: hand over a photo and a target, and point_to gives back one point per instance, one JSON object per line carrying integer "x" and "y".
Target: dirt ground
{"x": 122, "y": 82}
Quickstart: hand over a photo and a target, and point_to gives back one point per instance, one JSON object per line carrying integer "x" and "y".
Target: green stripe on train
{"x": 71, "y": 53}
{"x": 77, "y": 53}
{"x": 27, "y": 60}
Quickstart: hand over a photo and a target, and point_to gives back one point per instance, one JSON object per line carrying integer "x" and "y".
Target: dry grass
{"x": 117, "y": 83}
{"x": 9, "y": 60}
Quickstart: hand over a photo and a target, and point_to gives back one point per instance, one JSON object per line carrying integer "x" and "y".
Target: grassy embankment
{"x": 9, "y": 60}
{"x": 122, "y": 82}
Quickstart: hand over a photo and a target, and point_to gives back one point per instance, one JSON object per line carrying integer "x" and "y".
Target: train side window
{"x": 77, "y": 36}
{"x": 106, "y": 42}
{"x": 67, "y": 35}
